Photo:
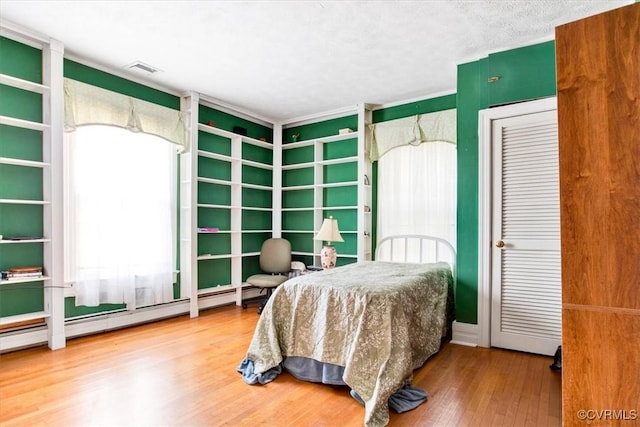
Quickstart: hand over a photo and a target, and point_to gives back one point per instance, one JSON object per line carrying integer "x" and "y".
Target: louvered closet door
{"x": 526, "y": 292}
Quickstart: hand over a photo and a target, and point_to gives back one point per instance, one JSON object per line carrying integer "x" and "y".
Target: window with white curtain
{"x": 417, "y": 192}
{"x": 120, "y": 216}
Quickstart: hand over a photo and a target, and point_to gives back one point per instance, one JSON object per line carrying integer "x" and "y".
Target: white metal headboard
{"x": 415, "y": 248}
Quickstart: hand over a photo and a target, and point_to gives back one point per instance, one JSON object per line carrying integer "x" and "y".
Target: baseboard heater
{"x": 103, "y": 322}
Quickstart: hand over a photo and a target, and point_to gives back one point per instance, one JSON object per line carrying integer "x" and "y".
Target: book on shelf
{"x": 208, "y": 229}
{"x": 18, "y": 238}
{"x": 21, "y": 273}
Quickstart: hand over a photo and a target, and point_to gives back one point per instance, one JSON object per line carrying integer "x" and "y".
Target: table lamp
{"x": 329, "y": 232}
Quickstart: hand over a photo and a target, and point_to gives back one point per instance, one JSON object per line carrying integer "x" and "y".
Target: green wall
{"x": 523, "y": 74}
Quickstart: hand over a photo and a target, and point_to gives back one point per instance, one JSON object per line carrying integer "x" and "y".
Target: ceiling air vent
{"x": 141, "y": 67}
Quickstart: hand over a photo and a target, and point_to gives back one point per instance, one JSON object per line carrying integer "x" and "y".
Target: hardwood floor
{"x": 182, "y": 372}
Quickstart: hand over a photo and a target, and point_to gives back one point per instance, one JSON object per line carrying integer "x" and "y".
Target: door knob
{"x": 499, "y": 244}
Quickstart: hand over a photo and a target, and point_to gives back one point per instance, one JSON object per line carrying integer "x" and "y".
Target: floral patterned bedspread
{"x": 379, "y": 320}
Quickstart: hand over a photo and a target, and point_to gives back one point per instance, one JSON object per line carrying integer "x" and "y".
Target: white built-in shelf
{"x": 300, "y": 144}
{"x": 298, "y": 187}
{"x": 23, "y": 318}
{"x": 210, "y": 206}
{"x": 24, "y": 280}
{"x": 216, "y": 156}
{"x": 323, "y": 140}
{"x": 256, "y": 208}
{"x": 222, "y": 256}
{"x": 310, "y": 208}
{"x": 21, "y": 162}
{"x": 217, "y": 232}
{"x": 299, "y": 231}
{"x": 6, "y": 241}
{"x": 337, "y": 208}
{"x": 256, "y": 231}
{"x": 23, "y": 202}
{"x": 20, "y": 123}
{"x": 231, "y": 135}
{"x": 335, "y": 138}
{"x": 338, "y": 184}
{"x": 23, "y": 84}
{"x": 338, "y": 161}
{"x": 257, "y": 142}
{"x": 248, "y": 254}
{"x": 304, "y": 253}
{"x": 256, "y": 186}
{"x": 257, "y": 164}
{"x": 215, "y": 181}
{"x": 303, "y": 165}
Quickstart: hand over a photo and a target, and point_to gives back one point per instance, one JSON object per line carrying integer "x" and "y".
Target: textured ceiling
{"x": 288, "y": 59}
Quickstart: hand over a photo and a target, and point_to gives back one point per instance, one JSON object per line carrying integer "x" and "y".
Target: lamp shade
{"x": 329, "y": 231}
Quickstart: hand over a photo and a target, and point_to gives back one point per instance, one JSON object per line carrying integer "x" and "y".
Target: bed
{"x": 367, "y": 325}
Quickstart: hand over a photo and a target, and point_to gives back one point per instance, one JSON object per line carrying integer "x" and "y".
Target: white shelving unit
{"x": 213, "y": 195}
{"x": 50, "y": 243}
{"x": 313, "y": 167}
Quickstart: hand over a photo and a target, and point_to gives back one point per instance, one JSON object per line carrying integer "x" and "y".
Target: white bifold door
{"x": 525, "y": 233}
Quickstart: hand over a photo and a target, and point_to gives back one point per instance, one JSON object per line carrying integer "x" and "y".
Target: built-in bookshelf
{"x": 227, "y": 200}
{"x": 325, "y": 174}
{"x": 30, "y": 194}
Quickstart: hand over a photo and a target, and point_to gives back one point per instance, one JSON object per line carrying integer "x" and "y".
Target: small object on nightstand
{"x": 314, "y": 268}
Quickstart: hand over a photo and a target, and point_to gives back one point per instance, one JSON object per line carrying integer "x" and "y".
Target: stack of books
{"x": 22, "y": 273}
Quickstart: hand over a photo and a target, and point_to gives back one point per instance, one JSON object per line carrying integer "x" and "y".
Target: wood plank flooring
{"x": 182, "y": 372}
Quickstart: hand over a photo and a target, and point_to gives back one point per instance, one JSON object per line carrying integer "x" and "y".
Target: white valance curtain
{"x": 85, "y": 104}
{"x": 414, "y": 130}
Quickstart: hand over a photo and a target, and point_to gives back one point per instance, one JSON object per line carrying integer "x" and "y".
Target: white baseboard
{"x": 105, "y": 322}
{"x": 465, "y": 334}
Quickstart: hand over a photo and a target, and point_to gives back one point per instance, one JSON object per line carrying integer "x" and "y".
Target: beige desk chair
{"x": 275, "y": 262}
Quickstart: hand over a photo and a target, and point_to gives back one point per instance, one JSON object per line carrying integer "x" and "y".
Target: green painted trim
{"x": 472, "y": 97}
{"x": 424, "y": 106}
{"x": 92, "y": 76}
{"x": 524, "y": 73}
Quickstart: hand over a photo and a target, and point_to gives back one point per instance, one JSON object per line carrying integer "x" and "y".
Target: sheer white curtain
{"x": 120, "y": 216}
{"x": 417, "y": 191}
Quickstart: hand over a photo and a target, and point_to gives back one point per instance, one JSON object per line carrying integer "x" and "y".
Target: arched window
{"x": 120, "y": 216}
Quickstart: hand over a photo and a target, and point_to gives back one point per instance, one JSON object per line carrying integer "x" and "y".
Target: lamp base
{"x": 328, "y": 256}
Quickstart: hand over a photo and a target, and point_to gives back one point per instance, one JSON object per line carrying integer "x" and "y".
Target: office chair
{"x": 275, "y": 262}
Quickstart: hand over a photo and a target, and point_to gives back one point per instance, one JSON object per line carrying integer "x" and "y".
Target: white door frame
{"x": 485, "y": 199}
